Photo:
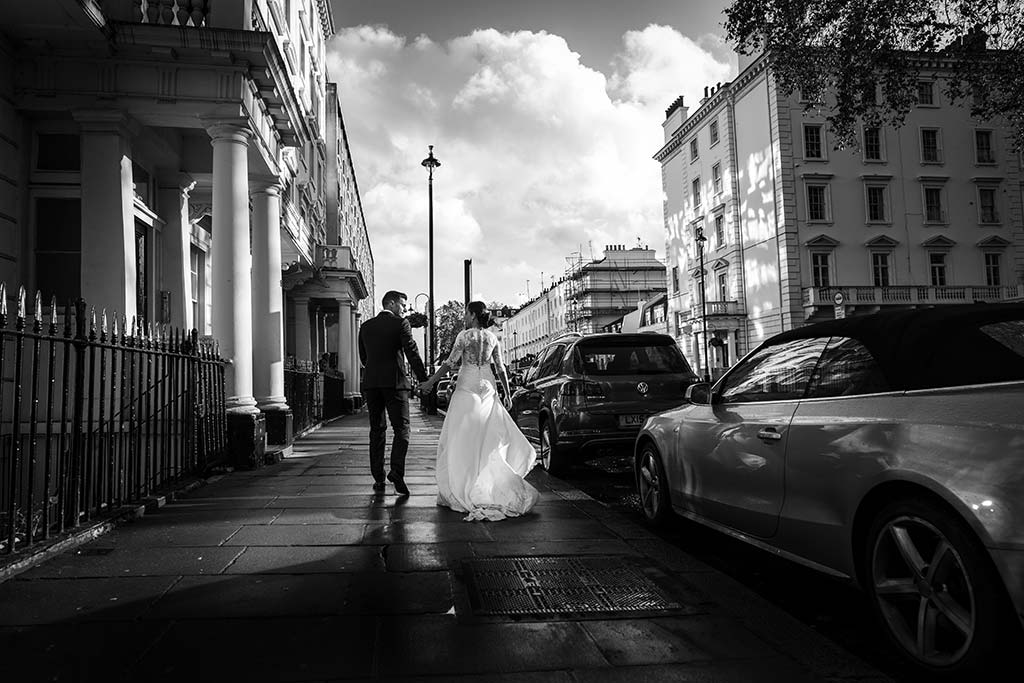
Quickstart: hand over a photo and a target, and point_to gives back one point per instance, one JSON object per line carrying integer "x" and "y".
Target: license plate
{"x": 632, "y": 420}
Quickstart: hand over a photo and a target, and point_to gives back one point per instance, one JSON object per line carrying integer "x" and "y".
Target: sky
{"x": 544, "y": 114}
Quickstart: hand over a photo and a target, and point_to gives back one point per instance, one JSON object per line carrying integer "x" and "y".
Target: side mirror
{"x": 699, "y": 393}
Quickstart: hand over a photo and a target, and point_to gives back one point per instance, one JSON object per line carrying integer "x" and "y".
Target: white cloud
{"x": 541, "y": 156}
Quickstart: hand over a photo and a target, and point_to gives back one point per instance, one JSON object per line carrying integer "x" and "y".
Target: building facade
{"x": 795, "y": 231}
{"x": 588, "y": 297}
{"x": 175, "y": 163}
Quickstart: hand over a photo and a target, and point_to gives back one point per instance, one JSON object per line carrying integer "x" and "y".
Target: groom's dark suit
{"x": 385, "y": 341}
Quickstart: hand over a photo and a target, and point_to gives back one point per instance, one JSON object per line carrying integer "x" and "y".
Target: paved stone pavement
{"x": 297, "y": 572}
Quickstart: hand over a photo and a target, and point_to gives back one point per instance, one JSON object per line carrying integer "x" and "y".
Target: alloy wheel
{"x": 923, "y": 591}
{"x": 545, "y": 447}
{"x": 650, "y": 485}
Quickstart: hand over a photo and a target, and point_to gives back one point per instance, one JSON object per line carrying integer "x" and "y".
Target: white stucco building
{"x": 174, "y": 161}
{"x": 928, "y": 214}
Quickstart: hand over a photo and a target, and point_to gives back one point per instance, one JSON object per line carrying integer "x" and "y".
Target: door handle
{"x": 769, "y": 434}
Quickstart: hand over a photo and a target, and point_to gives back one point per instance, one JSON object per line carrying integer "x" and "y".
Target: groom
{"x": 383, "y": 340}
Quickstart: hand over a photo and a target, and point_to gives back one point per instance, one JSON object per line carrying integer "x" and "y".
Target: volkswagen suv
{"x": 586, "y": 395}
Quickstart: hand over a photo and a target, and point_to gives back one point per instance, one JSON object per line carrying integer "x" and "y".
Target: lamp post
{"x": 515, "y": 348}
{"x": 430, "y": 163}
{"x": 700, "y": 239}
{"x": 415, "y": 306}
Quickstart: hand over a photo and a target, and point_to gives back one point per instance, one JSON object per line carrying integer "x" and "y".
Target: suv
{"x": 586, "y": 394}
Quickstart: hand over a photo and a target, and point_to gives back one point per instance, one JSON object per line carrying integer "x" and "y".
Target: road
{"x": 833, "y": 608}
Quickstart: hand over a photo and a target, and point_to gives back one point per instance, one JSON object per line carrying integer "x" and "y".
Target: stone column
{"x": 108, "y": 213}
{"x": 232, "y": 290}
{"x": 268, "y": 314}
{"x": 303, "y": 339}
{"x": 346, "y": 341}
{"x": 176, "y": 253}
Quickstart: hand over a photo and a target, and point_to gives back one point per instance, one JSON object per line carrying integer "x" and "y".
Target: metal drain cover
{"x": 558, "y": 586}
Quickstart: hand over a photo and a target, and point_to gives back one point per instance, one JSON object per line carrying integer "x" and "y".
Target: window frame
{"x": 939, "y": 154}
{"x": 826, "y": 200}
{"x": 714, "y": 134}
{"x": 820, "y": 127}
{"x": 996, "y": 213}
{"x": 695, "y": 193}
{"x": 988, "y": 270}
{"x": 694, "y": 149}
{"x": 931, "y": 94}
{"x": 886, "y": 212}
{"x": 717, "y": 183}
{"x": 719, "y": 222}
{"x": 944, "y": 253}
{"x": 978, "y": 161}
{"x": 888, "y": 254}
{"x": 880, "y": 159}
{"x": 829, "y": 255}
{"x": 943, "y": 218}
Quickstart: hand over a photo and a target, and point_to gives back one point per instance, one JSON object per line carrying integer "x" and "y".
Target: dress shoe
{"x": 399, "y": 483}
{"x": 378, "y": 486}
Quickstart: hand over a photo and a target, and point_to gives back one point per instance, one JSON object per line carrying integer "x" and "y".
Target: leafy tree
{"x": 448, "y": 321}
{"x": 848, "y": 47}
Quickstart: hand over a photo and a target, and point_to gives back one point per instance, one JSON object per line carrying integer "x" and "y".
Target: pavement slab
{"x": 291, "y": 534}
{"x": 53, "y": 601}
{"x": 426, "y": 557}
{"x": 327, "y": 559}
{"x": 174, "y": 561}
{"x": 240, "y": 596}
{"x": 399, "y": 593}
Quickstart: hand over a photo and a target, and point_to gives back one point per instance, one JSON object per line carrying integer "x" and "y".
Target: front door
{"x": 736, "y": 447}
{"x": 141, "y": 273}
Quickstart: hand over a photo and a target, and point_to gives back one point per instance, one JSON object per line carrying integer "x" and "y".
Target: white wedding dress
{"x": 482, "y": 456}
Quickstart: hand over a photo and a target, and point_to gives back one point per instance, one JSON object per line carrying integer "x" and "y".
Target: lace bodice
{"x": 476, "y": 347}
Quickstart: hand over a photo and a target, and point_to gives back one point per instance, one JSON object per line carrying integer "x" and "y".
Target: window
{"x": 716, "y": 178}
{"x": 59, "y": 246}
{"x": 987, "y": 212}
{"x": 142, "y": 274}
{"x": 696, "y": 193}
{"x": 723, "y": 287}
{"x": 675, "y": 278}
{"x": 720, "y": 230}
{"x": 937, "y": 268}
{"x": 880, "y": 273}
{"x": 630, "y": 358}
{"x": 774, "y": 373}
{"x": 877, "y": 212}
{"x": 926, "y": 93}
{"x": 551, "y": 361}
{"x": 813, "y": 142}
{"x": 993, "y": 271}
{"x": 847, "y": 368}
{"x": 196, "y": 264}
{"x": 872, "y": 143}
{"x": 931, "y": 146}
{"x": 934, "y": 211}
{"x": 693, "y": 150}
{"x": 713, "y": 130}
{"x": 817, "y": 202}
{"x": 820, "y": 276}
{"x": 983, "y": 150}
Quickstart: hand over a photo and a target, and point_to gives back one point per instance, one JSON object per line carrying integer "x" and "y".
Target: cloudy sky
{"x": 544, "y": 114}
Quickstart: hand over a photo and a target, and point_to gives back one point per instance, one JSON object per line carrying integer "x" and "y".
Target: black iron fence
{"x": 303, "y": 390}
{"x": 94, "y": 417}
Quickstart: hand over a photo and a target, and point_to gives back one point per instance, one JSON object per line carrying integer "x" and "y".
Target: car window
{"x": 996, "y": 355}
{"x": 779, "y": 372}
{"x": 847, "y": 368}
{"x": 550, "y": 361}
{"x": 630, "y": 359}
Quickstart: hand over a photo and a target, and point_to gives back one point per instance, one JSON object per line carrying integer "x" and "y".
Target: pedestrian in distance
{"x": 385, "y": 344}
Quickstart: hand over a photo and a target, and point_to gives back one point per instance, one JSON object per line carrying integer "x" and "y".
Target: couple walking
{"x": 482, "y": 456}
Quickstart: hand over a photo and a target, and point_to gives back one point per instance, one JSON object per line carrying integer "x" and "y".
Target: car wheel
{"x": 550, "y": 456}
{"x": 652, "y": 485}
{"x": 933, "y": 587}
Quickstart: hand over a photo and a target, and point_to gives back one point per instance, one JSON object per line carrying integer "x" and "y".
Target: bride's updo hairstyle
{"x": 480, "y": 312}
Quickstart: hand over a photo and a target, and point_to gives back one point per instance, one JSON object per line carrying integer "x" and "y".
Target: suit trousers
{"x": 396, "y": 403}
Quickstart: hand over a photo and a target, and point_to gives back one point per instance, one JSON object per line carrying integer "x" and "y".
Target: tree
{"x": 848, "y": 47}
{"x": 448, "y": 322}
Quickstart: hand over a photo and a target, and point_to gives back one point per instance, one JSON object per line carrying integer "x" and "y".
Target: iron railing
{"x": 303, "y": 390}
{"x": 95, "y": 417}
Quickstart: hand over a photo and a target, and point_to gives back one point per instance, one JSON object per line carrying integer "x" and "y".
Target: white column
{"x": 267, "y": 298}
{"x": 232, "y": 263}
{"x": 353, "y": 384}
{"x": 345, "y": 343}
{"x": 108, "y": 214}
{"x": 303, "y": 341}
{"x": 177, "y": 250}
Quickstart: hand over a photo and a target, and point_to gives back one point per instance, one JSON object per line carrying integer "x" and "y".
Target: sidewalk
{"x": 296, "y": 572}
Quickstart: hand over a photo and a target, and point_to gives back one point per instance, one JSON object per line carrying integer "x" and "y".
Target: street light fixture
{"x": 430, "y": 163}
{"x": 700, "y": 239}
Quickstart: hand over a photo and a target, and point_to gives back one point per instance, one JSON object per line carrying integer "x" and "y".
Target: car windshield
{"x": 609, "y": 358}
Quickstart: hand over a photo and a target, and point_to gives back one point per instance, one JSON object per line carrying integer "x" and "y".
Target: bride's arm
{"x": 453, "y": 359}
{"x": 502, "y": 373}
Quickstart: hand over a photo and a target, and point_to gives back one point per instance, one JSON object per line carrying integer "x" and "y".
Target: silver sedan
{"x": 887, "y": 449}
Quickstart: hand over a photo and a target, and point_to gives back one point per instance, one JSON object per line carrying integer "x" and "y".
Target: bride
{"x": 482, "y": 456}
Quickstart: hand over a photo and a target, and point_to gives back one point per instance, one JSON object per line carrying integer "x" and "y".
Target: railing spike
{"x": 21, "y": 307}
{"x": 113, "y": 336}
{"x": 37, "y": 316}
{"x": 103, "y": 321}
{"x": 3, "y": 304}
{"x": 67, "y": 319}
{"x": 53, "y": 315}
{"x": 135, "y": 331}
{"x": 92, "y": 323}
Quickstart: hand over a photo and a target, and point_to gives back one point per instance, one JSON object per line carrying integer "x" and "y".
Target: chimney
{"x": 674, "y": 117}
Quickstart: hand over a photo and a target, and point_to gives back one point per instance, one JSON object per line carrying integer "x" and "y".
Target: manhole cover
{"x": 573, "y": 587}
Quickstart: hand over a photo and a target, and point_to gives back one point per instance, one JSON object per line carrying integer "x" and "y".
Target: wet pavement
{"x": 298, "y": 572}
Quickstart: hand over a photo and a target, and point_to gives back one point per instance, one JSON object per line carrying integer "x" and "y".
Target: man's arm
{"x": 362, "y": 348}
{"x": 412, "y": 352}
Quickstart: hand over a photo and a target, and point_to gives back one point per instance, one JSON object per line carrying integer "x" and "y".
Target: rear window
{"x": 633, "y": 359}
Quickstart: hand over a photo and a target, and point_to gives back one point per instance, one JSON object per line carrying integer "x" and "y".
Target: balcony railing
{"x": 716, "y": 308}
{"x": 171, "y": 12}
{"x": 910, "y": 295}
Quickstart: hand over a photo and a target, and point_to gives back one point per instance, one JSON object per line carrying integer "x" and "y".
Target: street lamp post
{"x": 701, "y": 239}
{"x": 430, "y": 163}
{"x": 515, "y": 348}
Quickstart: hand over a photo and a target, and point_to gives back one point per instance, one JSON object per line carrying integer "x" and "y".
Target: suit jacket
{"x": 385, "y": 341}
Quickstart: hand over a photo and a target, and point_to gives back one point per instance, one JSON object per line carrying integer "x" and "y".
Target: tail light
{"x": 579, "y": 391}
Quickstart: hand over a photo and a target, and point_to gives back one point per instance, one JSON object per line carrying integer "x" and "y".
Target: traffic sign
{"x": 839, "y": 299}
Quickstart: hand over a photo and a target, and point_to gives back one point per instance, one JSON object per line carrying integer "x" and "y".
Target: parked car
{"x": 887, "y": 449}
{"x": 585, "y": 395}
{"x": 442, "y": 392}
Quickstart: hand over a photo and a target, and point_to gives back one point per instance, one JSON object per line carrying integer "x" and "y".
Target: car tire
{"x": 934, "y": 589}
{"x": 652, "y": 486}
{"x": 551, "y": 456}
